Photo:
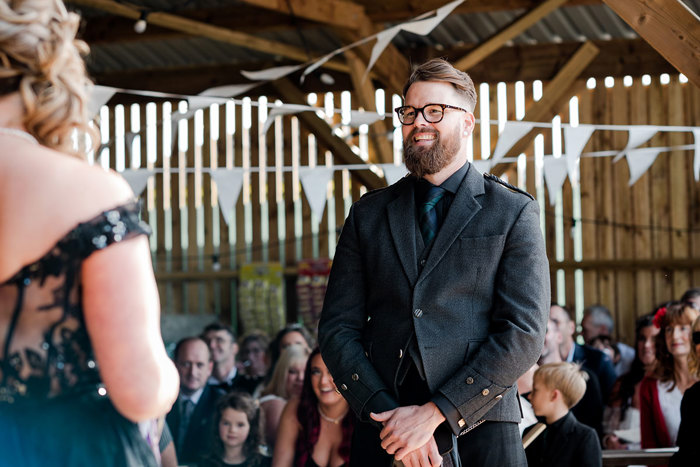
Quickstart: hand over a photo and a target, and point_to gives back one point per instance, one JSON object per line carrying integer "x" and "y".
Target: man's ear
{"x": 235, "y": 349}
{"x": 469, "y": 122}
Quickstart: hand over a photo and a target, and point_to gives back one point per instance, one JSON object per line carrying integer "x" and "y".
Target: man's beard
{"x": 429, "y": 160}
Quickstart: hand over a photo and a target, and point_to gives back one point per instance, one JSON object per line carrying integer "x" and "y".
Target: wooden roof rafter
{"x": 669, "y": 26}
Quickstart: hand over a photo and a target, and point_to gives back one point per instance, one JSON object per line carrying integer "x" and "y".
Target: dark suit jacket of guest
{"x": 600, "y": 364}
{"x": 476, "y": 307}
{"x": 565, "y": 443}
{"x": 689, "y": 432}
{"x": 198, "y": 438}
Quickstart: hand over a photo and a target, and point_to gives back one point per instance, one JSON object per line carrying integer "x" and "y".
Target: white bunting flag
{"x": 358, "y": 118}
{"x": 203, "y": 102}
{"x": 511, "y": 134}
{"x": 554, "y": 171}
{"x": 639, "y": 134}
{"x": 100, "y": 96}
{"x": 129, "y": 139}
{"x": 137, "y": 179}
{"x": 383, "y": 40}
{"x": 425, "y": 26}
{"x": 282, "y": 110}
{"x": 575, "y": 139}
{"x": 483, "y": 166}
{"x": 639, "y": 161}
{"x": 228, "y": 185}
{"x": 393, "y": 173}
{"x": 270, "y": 74}
{"x": 318, "y": 63}
{"x": 229, "y": 90}
{"x": 696, "y": 161}
{"x": 314, "y": 181}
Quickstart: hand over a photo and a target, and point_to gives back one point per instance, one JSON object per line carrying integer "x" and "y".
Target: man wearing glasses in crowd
{"x": 438, "y": 296}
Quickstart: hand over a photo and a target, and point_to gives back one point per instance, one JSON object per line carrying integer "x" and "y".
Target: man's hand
{"x": 408, "y": 428}
{"x": 425, "y": 456}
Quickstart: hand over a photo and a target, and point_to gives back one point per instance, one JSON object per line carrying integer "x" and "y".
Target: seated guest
{"x": 315, "y": 430}
{"x": 689, "y": 430}
{"x": 223, "y": 347}
{"x": 289, "y": 335}
{"x": 254, "y": 346}
{"x": 692, "y": 297}
{"x": 589, "y": 410}
{"x": 238, "y": 434}
{"x": 524, "y": 387}
{"x": 565, "y": 442}
{"x": 598, "y": 321}
{"x": 287, "y": 381}
{"x": 191, "y": 418}
{"x": 622, "y": 412}
{"x": 661, "y": 394}
{"x": 591, "y": 359}
{"x": 609, "y": 347}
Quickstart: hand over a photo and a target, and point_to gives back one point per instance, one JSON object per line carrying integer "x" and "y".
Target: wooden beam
{"x": 669, "y": 26}
{"x": 511, "y": 31}
{"x": 365, "y": 93}
{"x": 333, "y": 12}
{"x": 386, "y": 11}
{"x": 291, "y": 95}
{"x": 197, "y": 28}
{"x": 557, "y": 90}
{"x": 617, "y": 58}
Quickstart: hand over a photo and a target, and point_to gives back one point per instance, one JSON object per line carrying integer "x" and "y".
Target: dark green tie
{"x": 427, "y": 217}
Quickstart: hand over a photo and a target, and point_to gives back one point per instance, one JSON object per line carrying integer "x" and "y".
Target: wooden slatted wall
{"x": 616, "y": 235}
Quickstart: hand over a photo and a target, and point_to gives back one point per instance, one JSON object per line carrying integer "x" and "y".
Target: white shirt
{"x": 670, "y": 403}
{"x": 194, "y": 397}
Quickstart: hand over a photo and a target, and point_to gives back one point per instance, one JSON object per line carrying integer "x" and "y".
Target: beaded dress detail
{"x": 46, "y": 349}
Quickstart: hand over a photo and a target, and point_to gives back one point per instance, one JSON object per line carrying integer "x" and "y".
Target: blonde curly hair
{"x": 41, "y": 58}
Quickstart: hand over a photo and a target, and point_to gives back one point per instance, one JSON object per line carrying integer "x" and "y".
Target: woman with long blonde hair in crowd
{"x": 82, "y": 360}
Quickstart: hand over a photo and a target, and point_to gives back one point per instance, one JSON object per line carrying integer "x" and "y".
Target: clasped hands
{"x": 408, "y": 434}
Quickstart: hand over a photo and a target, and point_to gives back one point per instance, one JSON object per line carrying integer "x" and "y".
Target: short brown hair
{"x": 567, "y": 377}
{"x": 439, "y": 69}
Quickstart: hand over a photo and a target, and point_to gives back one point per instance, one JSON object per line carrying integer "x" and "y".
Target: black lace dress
{"x": 53, "y": 408}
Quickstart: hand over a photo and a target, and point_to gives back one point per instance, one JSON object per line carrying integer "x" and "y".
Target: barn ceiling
{"x": 192, "y": 45}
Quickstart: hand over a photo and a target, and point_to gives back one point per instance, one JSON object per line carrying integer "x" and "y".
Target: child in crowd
{"x": 565, "y": 442}
{"x": 238, "y": 434}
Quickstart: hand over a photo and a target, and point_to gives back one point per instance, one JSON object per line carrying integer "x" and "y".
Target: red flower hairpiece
{"x": 659, "y": 317}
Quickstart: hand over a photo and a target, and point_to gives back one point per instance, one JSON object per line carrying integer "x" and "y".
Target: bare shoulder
{"x": 44, "y": 195}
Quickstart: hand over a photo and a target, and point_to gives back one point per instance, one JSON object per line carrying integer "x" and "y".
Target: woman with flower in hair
{"x": 674, "y": 372}
{"x": 82, "y": 361}
{"x": 315, "y": 429}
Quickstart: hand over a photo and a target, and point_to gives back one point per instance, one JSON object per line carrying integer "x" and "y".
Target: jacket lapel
{"x": 461, "y": 212}
{"x": 402, "y": 224}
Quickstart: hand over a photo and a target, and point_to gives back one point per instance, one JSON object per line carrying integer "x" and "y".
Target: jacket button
{"x": 417, "y": 312}
{"x": 470, "y": 380}
{"x": 485, "y": 392}
{"x": 343, "y": 387}
{"x": 355, "y": 377}
{"x": 499, "y": 397}
{"x": 400, "y": 353}
{"x": 422, "y": 262}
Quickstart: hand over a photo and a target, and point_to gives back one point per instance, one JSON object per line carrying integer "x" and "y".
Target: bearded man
{"x": 438, "y": 296}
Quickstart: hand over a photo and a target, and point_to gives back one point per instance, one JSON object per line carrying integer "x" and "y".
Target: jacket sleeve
{"x": 340, "y": 329}
{"x": 516, "y": 329}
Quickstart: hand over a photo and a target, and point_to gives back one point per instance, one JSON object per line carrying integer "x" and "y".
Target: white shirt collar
{"x": 570, "y": 357}
{"x": 194, "y": 397}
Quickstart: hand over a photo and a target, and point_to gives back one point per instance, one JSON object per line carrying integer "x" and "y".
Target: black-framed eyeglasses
{"x": 432, "y": 113}
{"x": 696, "y": 337}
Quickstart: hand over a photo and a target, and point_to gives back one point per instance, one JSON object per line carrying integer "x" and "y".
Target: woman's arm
{"x": 287, "y": 434}
{"x": 272, "y": 411}
{"x": 122, "y": 315}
